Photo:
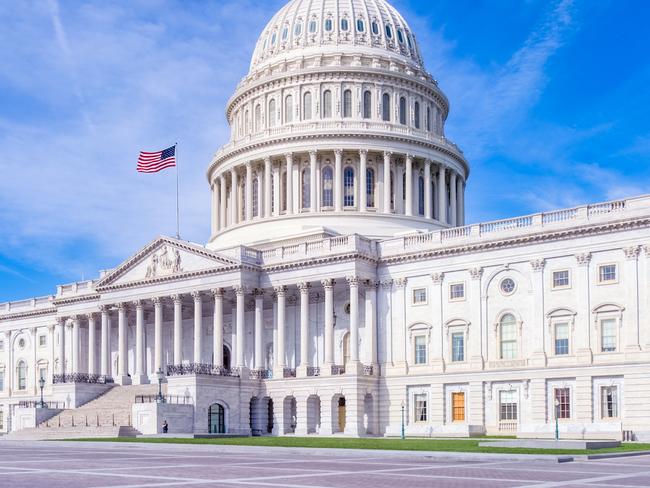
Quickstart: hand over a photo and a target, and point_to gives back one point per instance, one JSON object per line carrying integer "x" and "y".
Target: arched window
{"x": 428, "y": 119}
{"x": 385, "y": 107}
{"x": 285, "y": 33}
{"x": 348, "y": 187}
{"x": 306, "y": 193}
{"x": 433, "y": 200}
{"x": 367, "y": 104}
{"x": 22, "y": 375}
{"x": 400, "y": 36}
{"x": 274, "y": 38}
{"x": 345, "y": 25}
{"x": 258, "y": 117}
{"x": 360, "y": 26}
{"x": 328, "y": 25}
{"x": 256, "y": 204}
{"x": 312, "y": 26}
{"x": 347, "y": 103}
{"x": 216, "y": 419}
{"x": 327, "y": 104}
{"x": 288, "y": 109}
{"x": 298, "y": 29}
{"x": 508, "y": 337}
{"x": 375, "y": 28}
{"x": 402, "y": 110}
{"x": 389, "y": 31}
{"x": 416, "y": 114}
{"x": 370, "y": 187}
{"x": 272, "y": 113}
{"x": 328, "y": 187}
{"x": 421, "y": 195}
{"x": 306, "y": 106}
{"x": 247, "y": 122}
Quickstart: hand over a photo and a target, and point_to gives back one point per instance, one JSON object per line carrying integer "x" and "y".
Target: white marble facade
{"x": 341, "y": 286}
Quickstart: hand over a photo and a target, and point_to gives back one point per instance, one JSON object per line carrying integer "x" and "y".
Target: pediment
{"x": 165, "y": 258}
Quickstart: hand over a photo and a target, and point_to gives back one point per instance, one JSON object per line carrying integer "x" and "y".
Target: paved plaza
{"x": 93, "y": 465}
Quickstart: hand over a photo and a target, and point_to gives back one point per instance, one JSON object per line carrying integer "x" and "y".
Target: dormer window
{"x": 312, "y": 26}
{"x": 273, "y": 39}
{"x": 345, "y": 25}
{"x": 360, "y": 26}
{"x": 389, "y": 31}
{"x": 375, "y": 28}
{"x": 298, "y": 29}
{"x": 285, "y": 33}
{"x": 328, "y": 25}
{"x": 400, "y": 36}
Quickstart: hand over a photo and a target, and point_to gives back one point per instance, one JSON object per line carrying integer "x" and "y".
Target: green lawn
{"x": 452, "y": 445}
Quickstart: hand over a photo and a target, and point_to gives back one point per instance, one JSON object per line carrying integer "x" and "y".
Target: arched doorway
{"x": 341, "y": 414}
{"x": 216, "y": 419}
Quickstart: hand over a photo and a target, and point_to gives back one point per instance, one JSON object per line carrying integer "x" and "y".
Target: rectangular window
{"x": 561, "y": 279}
{"x": 419, "y": 296}
{"x": 562, "y": 403}
{"x": 458, "y": 406}
{"x": 609, "y": 402}
{"x": 458, "y": 346}
{"x": 42, "y": 373}
{"x": 457, "y": 291}
{"x": 420, "y": 350}
{"x": 420, "y": 401}
{"x": 42, "y": 340}
{"x": 607, "y": 273}
{"x": 508, "y": 405}
{"x": 561, "y": 339}
{"x": 2, "y": 380}
{"x": 608, "y": 335}
{"x": 2, "y": 345}
{"x": 2, "y": 420}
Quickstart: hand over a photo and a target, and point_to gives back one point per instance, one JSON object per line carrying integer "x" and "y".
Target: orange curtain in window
{"x": 458, "y": 407}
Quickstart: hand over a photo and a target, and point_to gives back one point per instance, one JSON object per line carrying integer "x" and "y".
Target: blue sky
{"x": 550, "y": 102}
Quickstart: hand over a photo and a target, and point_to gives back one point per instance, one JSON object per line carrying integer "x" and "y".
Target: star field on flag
{"x": 152, "y": 162}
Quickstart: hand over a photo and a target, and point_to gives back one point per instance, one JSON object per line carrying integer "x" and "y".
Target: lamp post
{"x": 161, "y": 376}
{"x": 402, "y": 421}
{"x": 557, "y": 416}
{"x": 41, "y": 384}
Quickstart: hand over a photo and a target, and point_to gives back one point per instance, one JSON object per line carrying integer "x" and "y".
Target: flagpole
{"x": 178, "y": 225}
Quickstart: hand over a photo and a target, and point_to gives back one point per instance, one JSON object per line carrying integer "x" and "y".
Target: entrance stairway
{"x": 108, "y": 415}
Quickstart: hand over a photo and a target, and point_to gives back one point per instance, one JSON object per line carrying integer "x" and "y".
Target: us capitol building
{"x": 341, "y": 290}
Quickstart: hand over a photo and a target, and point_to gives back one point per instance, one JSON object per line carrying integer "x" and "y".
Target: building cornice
{"x": 28, "y": 314}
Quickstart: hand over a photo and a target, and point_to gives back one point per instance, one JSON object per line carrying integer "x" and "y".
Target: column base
{"x": 354, "y": 368}
{"x": 326, "y": 369}
{"x": 123, "y": 380}
{"x": 584, "y": 356}
{"x": 538, "y": 359}
{"x": 278, "y": 372}
{"x": 301, "y": 371}
{"x": 140, "y": 379}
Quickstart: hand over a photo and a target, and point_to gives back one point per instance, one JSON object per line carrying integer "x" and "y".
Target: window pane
{"x": 608, "y": 331}
{"x": 416, "y": 114}
{"x": 458, "y": 407}
{"x": 327, "y": 104}
{"x": 306, "y": 194}
{"x": 458, "y": 346}
{"x": 457, "y": 291}
{"x": 607, "y": 272}
{"x": 402, "y": 111}
{"x": 508, "y": 337}
{"x": 420, "y": 295}
{"x": 420, "y": 350}
{"x": 609, "y": 402}
{"x": 420, "y": 401}
{"x": 370, "y": 187}
{"x": 508, "y": 405}
{"x": 560, "y": 278}
{"x": 306, "y": 106}
{"x": 288, "y": 109}
{"x": 385, "y": 107}
{"x": 367, "y": 105}
{"x": 562, "y": 403}
{"x": 347, "y": 103}
{"x": 348, "y": 187}
{"x": 328, "y": 187}
{"x": 561, "y": 338}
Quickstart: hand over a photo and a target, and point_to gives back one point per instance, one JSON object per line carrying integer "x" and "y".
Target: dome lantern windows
{"x": 328, "y": 25}
{"x": 400, "y": 36}
{"x": 375, "y": 27}
{"x": 360, "y": 25}
{"x": 389, "y": 31}
{"x": 345, "y": 25}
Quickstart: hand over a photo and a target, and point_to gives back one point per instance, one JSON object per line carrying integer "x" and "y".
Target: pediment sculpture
{"x": 164, "y": 262}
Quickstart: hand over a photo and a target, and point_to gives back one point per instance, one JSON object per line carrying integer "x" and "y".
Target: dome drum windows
{"x": 347, "y": 103}
{"x": 375, "y": 28}
{"x": 402, "y": 110}
{"x": 306, "y": 106}
{"x": 288, "y": 109}
{"x": 327, "y": 187}
{"x": 328, "y": 25}
{"x": 416, "y": 114}
{"x": 385, "y": 107}
{"x": 327, "y": 104}
{"x": 348, "y": 187}
{"x": 361, "y": 26}
{"x": 345, "y": 24}
{"x": 367, "y": 104}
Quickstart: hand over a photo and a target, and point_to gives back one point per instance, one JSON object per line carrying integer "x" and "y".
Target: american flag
{"x": 152, "y": 162}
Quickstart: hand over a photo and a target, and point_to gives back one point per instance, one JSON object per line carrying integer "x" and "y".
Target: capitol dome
{"x": 336, "y": 129}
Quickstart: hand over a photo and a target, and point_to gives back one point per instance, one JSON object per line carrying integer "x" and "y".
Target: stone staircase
{"x": 108, "y": 415}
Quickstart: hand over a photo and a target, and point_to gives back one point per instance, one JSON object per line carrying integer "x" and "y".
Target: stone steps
{"x": 43, "y": 433}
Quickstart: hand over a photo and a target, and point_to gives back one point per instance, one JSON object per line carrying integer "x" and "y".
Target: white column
{"x": 104, "y": 356}
{"x": 539, "y": 354}
{"x": 241, "y": 331}
{"x": 474, "y": 349}
{"x": 387, "y": 194}
{"x": 223, "y": 219}
{"x": 442, "y": 194}
{"x": 92, "y": 343}
{"x": 328, "y": 285}
{"x": 338, "y": 180}
{"x": 632, "y": 334}
{"x": 123, "y": 360}
{"x": 399, "y": 189}
{"x": 452, "y": 198}
{"x": 363, "y": 197}
{"x": 371, "y": 322}
{"x": 353, "y": 282}
{"x": 267, "y": 187}
{"x": 460, "y": 198}
{"x": 217, "y": 333}
{"x": 304, "y": 327}
{"x": 139, "y": 341}
{"x": 259, "y": 329}
{"x": 427, "y": 189}
{"x": 178, "y": 329}
{"x": 408, "y": 207}
{"x": 214, "y": 210}
{"x": 313, "y": 194}
{"x": 157, "y": 333}
{"x": 249, "y": 192}
{"x": 60, "y": 330}
{"x": 289, "y": 192}
{"x": 198, "y": 327}
{"x": 280, "y": 360}
{"x": 234, "y": 199}
{"x": 582, "y": 337}
{"x": 276, "y": 190}
{"x": 75, "y": 345}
